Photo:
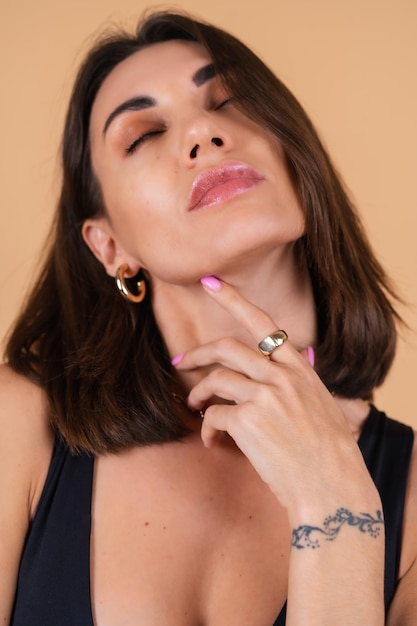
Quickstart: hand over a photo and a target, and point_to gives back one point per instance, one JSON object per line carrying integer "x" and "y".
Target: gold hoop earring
{"x": 123, "y": 288}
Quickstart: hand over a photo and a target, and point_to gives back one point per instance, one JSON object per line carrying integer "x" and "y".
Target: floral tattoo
{"x": 309, "y": 536}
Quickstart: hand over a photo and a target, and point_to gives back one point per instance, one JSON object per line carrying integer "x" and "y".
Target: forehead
{"x": 150, "y": 71}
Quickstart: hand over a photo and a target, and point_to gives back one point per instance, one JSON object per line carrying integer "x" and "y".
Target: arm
{"x": 295, "y": 435}
{"x": 25, "y": 448}
{"x": 341, "y": 582}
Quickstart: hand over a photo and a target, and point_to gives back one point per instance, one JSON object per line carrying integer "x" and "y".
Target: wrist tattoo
{"x": 310, "y": 536}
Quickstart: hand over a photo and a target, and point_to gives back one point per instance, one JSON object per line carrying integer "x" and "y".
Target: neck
{"x": 187, "y": 316}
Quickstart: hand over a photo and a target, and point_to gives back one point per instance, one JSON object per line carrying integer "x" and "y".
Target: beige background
{"x": 352, "y": 63}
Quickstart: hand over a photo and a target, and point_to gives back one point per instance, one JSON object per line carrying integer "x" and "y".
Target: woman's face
{"x": 191, "y": 186}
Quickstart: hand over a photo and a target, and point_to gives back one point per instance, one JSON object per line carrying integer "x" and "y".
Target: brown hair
{"x": 102, "y": 360}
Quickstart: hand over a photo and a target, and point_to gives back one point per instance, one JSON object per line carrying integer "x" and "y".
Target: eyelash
{"x": 131, "y": 149}
{"x": 135, "y": 144}
{"x": 223, "y": 103}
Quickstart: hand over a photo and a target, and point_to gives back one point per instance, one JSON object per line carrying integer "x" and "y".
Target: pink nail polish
{"x": 177, "y": 359}
{"x": 211, "y": 283}
{"x": 310, "y": 355}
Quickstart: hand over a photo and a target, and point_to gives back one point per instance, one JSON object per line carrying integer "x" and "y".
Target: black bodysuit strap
{"x": 387, "y": 446}
{"x": 54, "y": 579}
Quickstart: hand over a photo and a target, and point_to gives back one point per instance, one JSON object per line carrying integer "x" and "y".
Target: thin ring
{"x": 272, "y": 342}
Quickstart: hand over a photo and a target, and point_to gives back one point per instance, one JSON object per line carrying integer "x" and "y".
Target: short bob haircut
{"x": 102, "y": 360}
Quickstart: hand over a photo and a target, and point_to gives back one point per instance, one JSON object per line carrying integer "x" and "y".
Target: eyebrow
{"x": 134, "y": 104}
{"x": 204, "y": 74}
{"x": 139, "y": 103}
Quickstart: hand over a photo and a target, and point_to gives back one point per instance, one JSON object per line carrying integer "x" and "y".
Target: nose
{"x": 215, "y": 141}
{"x": 202, "y": 133}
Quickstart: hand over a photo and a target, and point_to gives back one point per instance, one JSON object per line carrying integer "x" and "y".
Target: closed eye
{"x": 140, "y": 140}
{"x": 223, "y": 103}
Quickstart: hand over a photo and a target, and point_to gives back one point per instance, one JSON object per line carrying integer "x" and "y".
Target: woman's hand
{"x": 280, "y": 415}
{"x": 291, "y": 429}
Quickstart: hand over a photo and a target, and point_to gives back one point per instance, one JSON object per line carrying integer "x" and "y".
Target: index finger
{"x": 256, "y": 321}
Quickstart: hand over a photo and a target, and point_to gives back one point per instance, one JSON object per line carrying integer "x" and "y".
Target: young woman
{"x": 170, "y": 454}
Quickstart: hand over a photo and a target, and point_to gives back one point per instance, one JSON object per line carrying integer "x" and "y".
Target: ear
{"x": 99, "y": 237}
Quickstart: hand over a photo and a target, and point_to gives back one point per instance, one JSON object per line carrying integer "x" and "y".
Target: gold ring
{"x": 272, "y": 342}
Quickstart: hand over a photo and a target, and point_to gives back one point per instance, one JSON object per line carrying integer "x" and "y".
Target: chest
{"x": 186, "y": 536}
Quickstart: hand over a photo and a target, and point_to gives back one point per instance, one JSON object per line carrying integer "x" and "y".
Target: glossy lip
{"x": 217, "y": 177}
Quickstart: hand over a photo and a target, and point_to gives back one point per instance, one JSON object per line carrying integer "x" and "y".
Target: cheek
{"x": 133, "y": 200}
{"x": 144, "y": 223}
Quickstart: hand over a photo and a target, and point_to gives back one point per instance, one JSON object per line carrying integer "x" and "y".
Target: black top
{"x": 54, "y": 579}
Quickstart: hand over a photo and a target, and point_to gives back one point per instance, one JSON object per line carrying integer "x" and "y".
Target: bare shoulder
{"x": 21, "y": 399}
{"x": 26, "y": 441}
{"x": 409, "y": 549}
{"x": 25, "y": 452}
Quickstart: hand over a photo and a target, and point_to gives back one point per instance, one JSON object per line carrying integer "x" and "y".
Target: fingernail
{"x": 211, "y": 283}
{"x": 310, "y": 355}
{"x": 177, "y": 359}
